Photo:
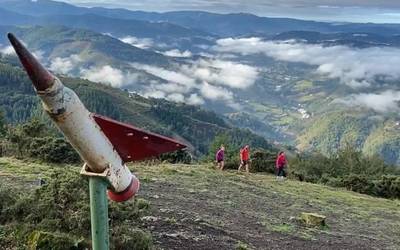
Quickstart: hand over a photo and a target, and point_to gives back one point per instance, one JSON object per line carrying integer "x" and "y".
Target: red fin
{"x": 134, "y": 144}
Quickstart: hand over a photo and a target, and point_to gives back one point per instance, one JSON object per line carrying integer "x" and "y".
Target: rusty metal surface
{"x": 134, "y": 144}
{"x": 40, "y": 77}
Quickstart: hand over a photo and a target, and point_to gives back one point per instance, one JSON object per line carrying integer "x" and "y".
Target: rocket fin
{"x": 134, "y": 144}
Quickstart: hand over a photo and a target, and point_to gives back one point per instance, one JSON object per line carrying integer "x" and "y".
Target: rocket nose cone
{"x": 40, "y": 77}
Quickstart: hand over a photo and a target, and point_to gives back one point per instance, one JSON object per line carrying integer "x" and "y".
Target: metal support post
{"x": 99, "y": 213}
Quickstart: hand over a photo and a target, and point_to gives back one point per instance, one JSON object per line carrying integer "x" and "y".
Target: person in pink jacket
{"x": 219, "y": 157}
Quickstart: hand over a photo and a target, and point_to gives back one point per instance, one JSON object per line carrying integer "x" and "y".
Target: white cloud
{"x": 154, "y": 94}
{"x": 387, "y": 101}
{"x": 215, "y": 93}
{"x": 169, "y": 75}
{"x": 176, "y": 97}
{"x": 172, "y": 87}
{"x": 109, "y": 75}
{"x": 39, "y": 54}
{"x": 202, "y": 79}
{"x": 354, "y": 67}
{"x": 191, "y": 99}
{"x": 231, "y": 74}
{"x": 177, "y": 53}
{"x": 65, "y": 65}
{"x": 195, "y": 99}
{"x": 143, "y": 43}
{"x": 7, "y": 50}
{"x": 105, "y": 74}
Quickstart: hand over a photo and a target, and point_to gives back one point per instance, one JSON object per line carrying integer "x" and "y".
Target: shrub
{"x": 179, "y": 156}
{"x": 58, "y": 214}
{"x": 125, "y": 237}
{"x": 358, "y": 183}
{"x": 387, "y": 186}
{"x": 263, "y": 161}
{"x": 54, "y": 241}
{"x": 33, "y": 139}
{"x": 51, "y": 149}
{"x": 349, "y": 169}
{"x": 334, "y": 182}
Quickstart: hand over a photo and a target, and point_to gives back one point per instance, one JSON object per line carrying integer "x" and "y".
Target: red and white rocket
{"x": 104, "y": 144}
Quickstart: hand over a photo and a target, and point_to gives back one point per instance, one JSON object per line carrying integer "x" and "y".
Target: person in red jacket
{"x": 244, "y": 158}
{"x": 281, "y": 163}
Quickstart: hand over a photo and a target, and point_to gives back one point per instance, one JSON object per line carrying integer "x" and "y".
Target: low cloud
{"x": 155, "y": 94}
{"x": 168, "y": 75}
{"x": 387, "y": 101}
{"x": 109, "y": 75}
{"x": 39, "y": 54}
{"x": 214, "y": 92}
{"x": 177, "y": 53}
{"x": 65, "y": 65}
{"x": 143, "y": 43}
{"x": 7, "y": 50}
{"x": 354, "y": 67}
{"x": 176, "y": 97}
{"x": 195, "y": 99}
{"x": 221, "y": 72}
{"x": 202, "y": 79}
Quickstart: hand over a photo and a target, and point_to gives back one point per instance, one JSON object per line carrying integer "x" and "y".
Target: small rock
{"x": 156, "y": 196}
{"x": 313, "y": 219}
{"x": 150, "y": 218}
{"x": 174, "y": 235}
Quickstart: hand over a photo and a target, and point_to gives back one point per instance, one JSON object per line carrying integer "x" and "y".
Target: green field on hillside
{"x": 197, "y": 206}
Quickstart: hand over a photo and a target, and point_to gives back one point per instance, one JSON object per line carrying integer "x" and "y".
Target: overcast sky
{"x": 336, "y": 10}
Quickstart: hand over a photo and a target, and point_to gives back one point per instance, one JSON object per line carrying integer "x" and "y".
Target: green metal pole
{"x": 99, "y": 212}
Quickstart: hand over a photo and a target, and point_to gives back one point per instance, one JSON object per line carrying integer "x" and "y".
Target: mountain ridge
{"x": 232, "y": 24}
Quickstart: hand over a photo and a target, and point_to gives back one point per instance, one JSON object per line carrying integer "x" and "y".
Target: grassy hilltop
{"x": 193, "y": 206}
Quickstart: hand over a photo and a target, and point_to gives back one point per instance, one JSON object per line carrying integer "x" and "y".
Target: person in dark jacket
{"x": 281, "y": 163}
{"x": 219, "y": 157}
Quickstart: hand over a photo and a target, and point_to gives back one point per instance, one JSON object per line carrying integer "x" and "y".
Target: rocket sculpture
{"x": 104, "y": 145}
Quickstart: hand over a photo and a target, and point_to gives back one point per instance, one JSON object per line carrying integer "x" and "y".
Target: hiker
{"x": 281, "y": 163}
{"x": 219, "y": 157}
{"x": 244, "y": 158}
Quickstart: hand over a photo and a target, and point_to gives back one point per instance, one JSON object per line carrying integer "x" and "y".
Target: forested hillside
{"x": 364, "y": 131}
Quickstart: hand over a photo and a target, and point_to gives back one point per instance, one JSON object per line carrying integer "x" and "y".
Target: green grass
{"x": 188, "y": 197}
{"x": 303, "y": 85}
{"x": 283, "y": 228}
